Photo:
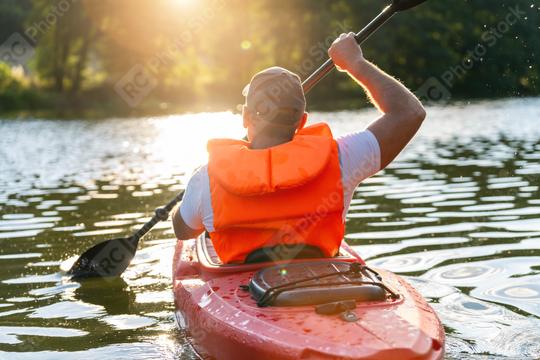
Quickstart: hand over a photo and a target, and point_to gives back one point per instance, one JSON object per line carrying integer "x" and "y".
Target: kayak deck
{"x": 225, "y": 322}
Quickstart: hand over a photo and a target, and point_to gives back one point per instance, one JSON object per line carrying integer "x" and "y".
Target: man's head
{"x": 275, "y": 106}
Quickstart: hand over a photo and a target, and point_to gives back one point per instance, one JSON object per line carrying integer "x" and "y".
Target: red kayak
{"x": 305, "y": 308}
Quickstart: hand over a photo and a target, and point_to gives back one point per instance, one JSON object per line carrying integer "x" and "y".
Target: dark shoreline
{"x": 163, "y": 109}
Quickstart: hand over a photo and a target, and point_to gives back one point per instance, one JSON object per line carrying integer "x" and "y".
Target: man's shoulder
{"x": 358, "y": 140}
{"x": 198, "y": 178}
{"x": 200, "y": 171}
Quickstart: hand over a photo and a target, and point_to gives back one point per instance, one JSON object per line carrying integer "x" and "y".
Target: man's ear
{"x": 303, "y": 121}
{"x": 245, "y": 116}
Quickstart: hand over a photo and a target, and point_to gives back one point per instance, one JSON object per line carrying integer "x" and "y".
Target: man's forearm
{"x": 181, "y": 229}
{"x": 402, "y": 111}
{"x": 386, "y": 93}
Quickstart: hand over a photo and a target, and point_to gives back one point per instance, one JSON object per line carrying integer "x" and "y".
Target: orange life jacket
{"x": 287, "y": 194}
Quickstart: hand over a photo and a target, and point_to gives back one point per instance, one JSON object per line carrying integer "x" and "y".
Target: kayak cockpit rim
{"x": 210, "y": 261}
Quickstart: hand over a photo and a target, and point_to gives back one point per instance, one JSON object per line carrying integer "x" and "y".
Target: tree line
{"x": 198, "y": 54}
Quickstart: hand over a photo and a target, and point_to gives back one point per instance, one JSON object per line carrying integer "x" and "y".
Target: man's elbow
{"x": 421, "y": 114}
{"x": 180, "y": 235}
{"x": 183, "y": 232}
{"x": 180, "y": 228}
{"x": 414, "y": 115}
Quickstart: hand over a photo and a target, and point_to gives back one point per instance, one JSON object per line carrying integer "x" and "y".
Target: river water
{"x": 458, "y": 214}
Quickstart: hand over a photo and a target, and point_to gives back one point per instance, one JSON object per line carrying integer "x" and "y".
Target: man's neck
{"x": 267, "y": 142}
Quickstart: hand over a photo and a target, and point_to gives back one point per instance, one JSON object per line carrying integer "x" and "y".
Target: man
{"x": 293, "y": 184}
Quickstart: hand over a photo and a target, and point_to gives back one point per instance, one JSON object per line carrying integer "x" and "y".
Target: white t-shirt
{"x": 359, "y": 157}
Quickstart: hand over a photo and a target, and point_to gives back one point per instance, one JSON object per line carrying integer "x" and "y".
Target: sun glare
{"x": 183, "y": 3}
{"x": 182, "y": 138}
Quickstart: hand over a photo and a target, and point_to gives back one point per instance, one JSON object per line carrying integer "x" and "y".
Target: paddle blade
{"x": 107, "y": 259}
{"x": 401, "y": 5}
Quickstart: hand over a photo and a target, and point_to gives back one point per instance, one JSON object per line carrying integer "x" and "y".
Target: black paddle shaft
{"x": 161, "y": 215}
{"x": 363, "y": 35}
{"x": 110, "y": 258}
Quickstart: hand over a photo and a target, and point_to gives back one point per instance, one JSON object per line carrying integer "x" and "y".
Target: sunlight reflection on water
{"x": 458, "y": 213}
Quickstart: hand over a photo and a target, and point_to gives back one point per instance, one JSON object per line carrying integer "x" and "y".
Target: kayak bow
{"x": 334, "y": 308}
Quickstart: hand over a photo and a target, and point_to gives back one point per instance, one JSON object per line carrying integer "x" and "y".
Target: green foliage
{"x": 64, "y": 34}
{"x": 205, "y": 51}
{"x": 12, "y": 15}
{"x": 14, "y": 94}
{"x": 10, "y": 88}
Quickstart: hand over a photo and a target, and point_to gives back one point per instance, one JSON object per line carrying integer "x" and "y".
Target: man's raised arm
{"x": 402, "y": 111}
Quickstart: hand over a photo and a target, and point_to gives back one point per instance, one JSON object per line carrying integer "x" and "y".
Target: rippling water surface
{"x": 458, "y": 214}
